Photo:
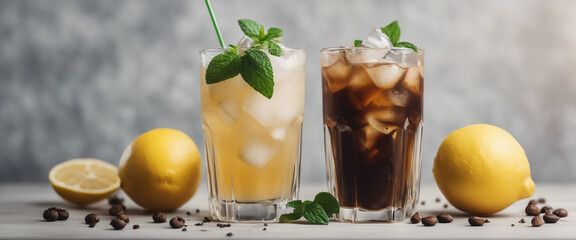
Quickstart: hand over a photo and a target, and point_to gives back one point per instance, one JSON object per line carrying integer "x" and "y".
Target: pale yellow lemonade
{"x": 253, "y": 143}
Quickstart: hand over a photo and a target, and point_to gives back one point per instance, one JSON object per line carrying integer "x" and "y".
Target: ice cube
{"x": 413, "y": 80}
{"x": 258, "y": 153}
{"x": 245, "y": 42}
{"x": 329, "y": 57}
{"x": 226, "y": 88}
{"x": 337, "y": 75}
{"x": 359, "y": 55}
{"x": 230, "y": 110}
{"x": 290, "y": 58}
{"x": 377, "y": 39}
{"x": 404, "y": 57}
{"x": 399, "y": 96}
{"x": 369, "y": 136}
{"x": 385, "y": 75}
{"x": 286, "y": 104}
{"x": 391, "y": 115}
{"x": 279, "y": 133}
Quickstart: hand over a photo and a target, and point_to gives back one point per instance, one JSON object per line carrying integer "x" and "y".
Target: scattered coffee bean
{"x": 522, "y": 221}
{"x": 561, "y": 212}
{"x": 265, "y": 224}
{"x": 124, "y": 217}
{"x": 532, "y": 210}
{"x": 263, "y": 229}
{"x": 159, "y": 217}
{"x": 50, "y": 214}
{"x": 118, "y": 224}
{"x": 188, "y": 213}
{"x": 136, "y": 226}
{"x": 533, "y": 202}
{"x": 444, "y": 218}
{"x": 437, "y": 199}
{"x": 229, "y": 234}
{"x": 223, "y": 225}
{"x": 546, "y": 209}
{"x": 445, "y": 205}
{"x": 197, "y": 210}
{"x": 537, "y": 221}
{"x": 486, "y": 220}
{"x": 92, "y": 219}
{"x": 184, "y": 229}
{"x": 206, "y": 219}
{"x": 423, "y": 203}
{"x": 115, "y": 200}
{"x": 476, "y": 221}
{"x": 416, "y": 218}
{"x": 541, "y": 200}
{"x": 115, "y": 210}
{"x": 198, "y": 224}
{"x": 512, "y": 225}
{"x": 429, "y": 221}
{"x": 63, "y": 214}
{"x": 550, "y": 218}
{"x": 177, "y": 222}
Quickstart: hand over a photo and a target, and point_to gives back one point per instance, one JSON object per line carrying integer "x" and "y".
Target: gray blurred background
{"x": 83, "y": 78}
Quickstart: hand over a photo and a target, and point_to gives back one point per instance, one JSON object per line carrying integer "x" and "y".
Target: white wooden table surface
{"x": 21, "y": 207}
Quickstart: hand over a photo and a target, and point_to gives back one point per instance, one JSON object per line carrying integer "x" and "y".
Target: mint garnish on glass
{"x": 254, "y": 65}
{"x": 316, "y": 211}
{"x": 393, "y": 32}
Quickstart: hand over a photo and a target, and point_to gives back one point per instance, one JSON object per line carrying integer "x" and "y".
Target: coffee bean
{"x": 476, "y": 221}
{"x": 416, "y": 218}
{"x": 198, "y": 224}
{"x": 486, "y": 220}
{"x": 159, "y": 217}
{"x": 92, "y": 219}
{"x": 62, "y": 214}
{"x": 546, "y": 209}
{"x": 444, "y": 218}
{"x": 542, "y": 200}
{"x": 177, "y": 222}
{"x": 124, "y": 217}
{"x": 229, "y": 234}
{"x": 115, "y": 200}
{"x": 50, "y": 214}
{"x": 550, "y": 218}
{"x": 263, "y": 229}
{"x": 532, "y": 210}
{"x": 429, "y": 221}
{"x": 265, "y": 224}
{"x": 118, "y": 224}
{"x": 445, "y": 205}
{"x": 561, "y": 212}
{"x": 115, "y": 210}
{"x": 537, "y": 221}
{"x": 197, "y": 210}
{"x": 184, "y": 229}
{"x": 512, "y": 225}
{"x": 522, "y": 221}
{"x": 206, "y": 219}
{"x": 188, "y": 213}
{"x": 437, "y": 199}
{"x": 533, "y": 202}
{"x": 423, "y": 203}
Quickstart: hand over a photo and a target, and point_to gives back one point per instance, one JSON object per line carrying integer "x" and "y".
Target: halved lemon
{"x": 84, "y": 180}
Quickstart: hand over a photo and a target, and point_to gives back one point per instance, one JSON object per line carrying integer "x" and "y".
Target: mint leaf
{"x": 273, "y": 33}
{"x": 250, "y": 27}
{"x": 224, "y": 66}
{"x": 314, "y": 213}
{"x": 407, "y": 45}
{"x": 290, "y": 217}
{"x": 274, "y": 48}
{"x": 328, "y": 203}
{"x": 256, "y": 70}
{"x": 296, "y": 204}
{"x": 357, "y": 43}
{"x": 393, "y": 32}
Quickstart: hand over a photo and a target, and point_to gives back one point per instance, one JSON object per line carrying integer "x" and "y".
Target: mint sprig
{"x": 254, "y": 66}
{"x": 393, "y": 32}
{"x": 316, "y": 211}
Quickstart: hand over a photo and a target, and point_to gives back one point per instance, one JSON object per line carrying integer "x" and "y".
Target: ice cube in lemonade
{"x": 253, "y": 143}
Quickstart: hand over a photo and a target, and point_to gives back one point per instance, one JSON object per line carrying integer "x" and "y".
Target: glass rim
{"x": 213, "y": 50}
{"x": 366, "y": 48}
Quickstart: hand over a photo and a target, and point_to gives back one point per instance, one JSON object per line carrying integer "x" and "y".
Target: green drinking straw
{"x": 215, "y": 24}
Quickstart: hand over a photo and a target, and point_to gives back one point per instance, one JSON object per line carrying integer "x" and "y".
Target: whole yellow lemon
{"x": 481, "y": 169}
{"x": 161, "y": 169}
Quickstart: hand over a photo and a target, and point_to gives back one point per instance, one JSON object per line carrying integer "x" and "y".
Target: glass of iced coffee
{"x": 372, "y": 101}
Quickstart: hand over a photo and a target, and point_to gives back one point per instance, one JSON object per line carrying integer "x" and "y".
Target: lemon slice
{"x": 84, "y": 180}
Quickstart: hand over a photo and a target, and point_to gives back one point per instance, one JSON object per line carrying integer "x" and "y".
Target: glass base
{"x": 246, "y": 212}
{"x": 358, "y": 215}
